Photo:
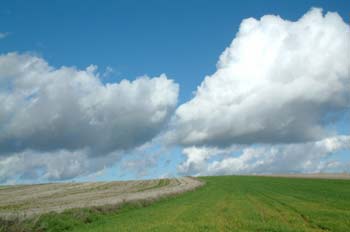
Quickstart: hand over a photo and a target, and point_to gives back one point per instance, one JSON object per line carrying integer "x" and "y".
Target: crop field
{"x": 226, "y": 203}
{"x": 25, "y": 201}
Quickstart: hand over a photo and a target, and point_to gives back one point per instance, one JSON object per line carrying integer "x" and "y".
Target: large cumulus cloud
{"x": 278, "y": 82}
{"x": 280, "y": 92}
{"x": 62, "y": 111}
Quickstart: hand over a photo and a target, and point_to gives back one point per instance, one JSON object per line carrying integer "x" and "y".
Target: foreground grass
{"x": 228, "y": 203}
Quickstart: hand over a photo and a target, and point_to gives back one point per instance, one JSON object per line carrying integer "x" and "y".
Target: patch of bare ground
{"x": 24, "y": 201}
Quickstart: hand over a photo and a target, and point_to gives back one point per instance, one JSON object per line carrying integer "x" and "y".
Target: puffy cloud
{"x": 287, "y": 158}
{"x": 51, "y": 166}
{"x": 278, "y": 82}
{"x": 47, "y": 109}
{"x": 66, "y": 112}
{"x": 197, "y": 158}
{"x": 274, "y": 102}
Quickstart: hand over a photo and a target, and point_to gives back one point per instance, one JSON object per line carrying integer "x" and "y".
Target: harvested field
{"x": 24, "y": 201}
{"x": 224, "y": 203}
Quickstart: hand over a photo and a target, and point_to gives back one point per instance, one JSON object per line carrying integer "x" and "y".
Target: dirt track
{"x": 28, "y": 200}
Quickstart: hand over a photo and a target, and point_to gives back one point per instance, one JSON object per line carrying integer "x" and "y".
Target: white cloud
{"x": 197, "y": 158}
{"x": 268, "y": 108}
{"x": 108, "y": 71}
{"x": 46, "y": 109}
{"x": 52, "y": 111}
{"x": 55, "y": 165}
{"x": 3, "y": 35}
{"x": 272, "y": 104}
{"x": 278, "y": 82}
{"x": 287, "y": 158}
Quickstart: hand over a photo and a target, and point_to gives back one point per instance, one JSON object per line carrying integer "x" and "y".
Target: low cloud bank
{"x": 61, "y": 116}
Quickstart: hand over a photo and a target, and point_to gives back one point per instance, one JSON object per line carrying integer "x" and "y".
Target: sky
{"x": 150, "y": 89}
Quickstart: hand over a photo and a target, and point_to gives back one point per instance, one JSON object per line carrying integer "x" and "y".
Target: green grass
{"x": 230, "y": 203}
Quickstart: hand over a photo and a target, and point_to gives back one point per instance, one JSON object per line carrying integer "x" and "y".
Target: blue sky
{"x": 182, "y": 39}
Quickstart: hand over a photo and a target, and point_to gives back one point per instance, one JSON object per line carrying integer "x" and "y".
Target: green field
{"x": 234, "y": 203}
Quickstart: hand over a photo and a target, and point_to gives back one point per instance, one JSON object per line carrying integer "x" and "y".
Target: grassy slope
{"x": 233, "y": 203}
{"x": 226, "y": 203}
